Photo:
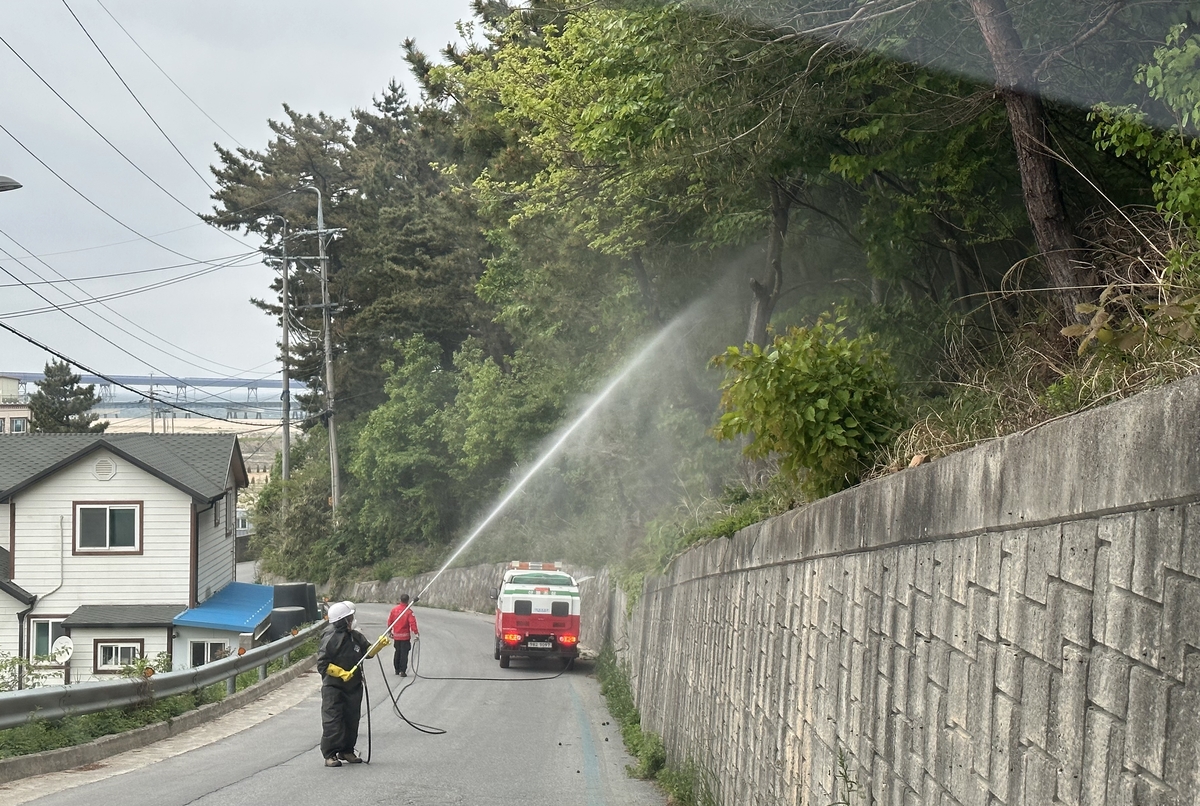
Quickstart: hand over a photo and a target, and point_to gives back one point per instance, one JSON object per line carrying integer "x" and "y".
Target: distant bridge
{"x": 200, "y": 395}
{"x": 180, "y": 385}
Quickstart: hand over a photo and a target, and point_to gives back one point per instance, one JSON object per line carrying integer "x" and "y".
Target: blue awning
{"x": 237, "y": 607}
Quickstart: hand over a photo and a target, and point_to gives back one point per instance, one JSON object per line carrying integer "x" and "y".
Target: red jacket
{"x": 406, "y": 627}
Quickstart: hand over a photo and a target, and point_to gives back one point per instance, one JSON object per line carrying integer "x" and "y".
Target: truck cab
{"x": 537, "y": 613}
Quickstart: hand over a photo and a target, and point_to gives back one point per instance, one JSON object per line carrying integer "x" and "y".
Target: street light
{"x": 8, "y": 183}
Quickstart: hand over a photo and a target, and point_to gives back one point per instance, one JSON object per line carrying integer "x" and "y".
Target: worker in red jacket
{"x": 404, "y": 632}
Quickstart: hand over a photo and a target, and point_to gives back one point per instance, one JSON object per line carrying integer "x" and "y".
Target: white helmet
{"x": 340, "y": 610}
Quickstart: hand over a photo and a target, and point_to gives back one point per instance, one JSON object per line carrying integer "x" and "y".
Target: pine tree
{"x": 61, "y": 405}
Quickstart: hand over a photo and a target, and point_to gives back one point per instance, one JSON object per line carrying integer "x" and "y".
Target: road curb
{"x": 66, "y": 758}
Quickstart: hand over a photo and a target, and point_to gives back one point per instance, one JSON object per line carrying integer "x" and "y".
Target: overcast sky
{"x": 239, "y": 60}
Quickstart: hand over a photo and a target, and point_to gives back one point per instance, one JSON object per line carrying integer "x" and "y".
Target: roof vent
{"x": 104, "y": 469}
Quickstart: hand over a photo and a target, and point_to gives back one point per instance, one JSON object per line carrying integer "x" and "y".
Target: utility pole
{"x": 286, "y": 397}
{"x": 334, "y": 483}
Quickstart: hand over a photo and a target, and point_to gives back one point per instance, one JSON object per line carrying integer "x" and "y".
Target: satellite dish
{"x": 63, "y": 648}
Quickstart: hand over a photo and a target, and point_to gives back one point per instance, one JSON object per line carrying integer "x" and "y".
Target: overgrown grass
{"x": 760, "y": 496}
{"x": 39, "y": 736}
{"x": 684, "y": 785}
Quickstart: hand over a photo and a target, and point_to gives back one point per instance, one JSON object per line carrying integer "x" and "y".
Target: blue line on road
{"x": 591, "y": 763}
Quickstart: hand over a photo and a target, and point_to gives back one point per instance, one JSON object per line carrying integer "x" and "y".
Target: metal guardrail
{"x": 56, "y": 702}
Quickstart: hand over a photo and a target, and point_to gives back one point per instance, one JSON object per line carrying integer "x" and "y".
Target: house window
{"x": 43, "y": 633}
{"x": 105, "y": 527}
{"x": 207, "y": 651}
{"x": 112, "y": 657}
{"x": 1, "y": 425}
{"x": 18, "y": 425}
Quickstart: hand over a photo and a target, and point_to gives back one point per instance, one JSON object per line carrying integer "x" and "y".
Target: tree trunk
{"x": 1039, "y": 178}
{"x": 647, "y": 290}
{"x": 765, "y": 296}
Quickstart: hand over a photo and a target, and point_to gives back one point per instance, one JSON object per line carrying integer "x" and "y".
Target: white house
{"x": 14, "y": 407}
{"x": 124, "y": 543}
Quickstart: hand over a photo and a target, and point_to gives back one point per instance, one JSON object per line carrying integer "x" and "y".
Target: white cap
{"x": 340, "y": 610}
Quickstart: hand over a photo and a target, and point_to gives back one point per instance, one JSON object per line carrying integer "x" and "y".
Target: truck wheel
{"x": 504, "y": 658}
{"x": 497, "y": 657}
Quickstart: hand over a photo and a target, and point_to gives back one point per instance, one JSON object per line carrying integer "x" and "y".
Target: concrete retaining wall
{"x": 1015, "y": 624}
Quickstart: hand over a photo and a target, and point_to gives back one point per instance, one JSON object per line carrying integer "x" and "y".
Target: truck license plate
{"x": 540, "y": 645}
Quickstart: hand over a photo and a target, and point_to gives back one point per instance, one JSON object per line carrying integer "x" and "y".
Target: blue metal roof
{"x": 237, "y": 607}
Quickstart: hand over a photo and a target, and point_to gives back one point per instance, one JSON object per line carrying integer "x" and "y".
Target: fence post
{"x": 231, "y": 685}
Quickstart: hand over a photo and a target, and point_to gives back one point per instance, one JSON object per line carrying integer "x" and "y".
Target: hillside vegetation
{"x": 873, "y": 235}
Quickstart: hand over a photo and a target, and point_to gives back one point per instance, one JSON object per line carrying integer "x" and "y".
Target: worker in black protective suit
{"x": 342, "y": 647}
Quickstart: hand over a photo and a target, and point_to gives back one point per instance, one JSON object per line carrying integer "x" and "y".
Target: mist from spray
{"x": 560, "y": 440}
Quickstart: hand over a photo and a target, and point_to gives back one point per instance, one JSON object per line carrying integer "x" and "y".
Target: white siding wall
{"x": 44, "y": 562}
{"x": 154, "y": 641}
{"x": 9, "y": 608}
{"x": 182, "y": 653}
{"x": 215, "y": 567}
{"x": 4, "y": 531}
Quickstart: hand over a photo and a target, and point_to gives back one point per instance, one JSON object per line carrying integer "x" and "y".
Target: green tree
{"x": 61, "y": 405}
{"x": 1173, "y": 154}
{"x": 655, "y": 126}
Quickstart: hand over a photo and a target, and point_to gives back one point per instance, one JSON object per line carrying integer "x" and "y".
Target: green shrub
{"x": 824, "y": 402}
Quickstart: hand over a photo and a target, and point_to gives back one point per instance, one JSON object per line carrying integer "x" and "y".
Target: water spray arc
{"x": 549, "y": 453}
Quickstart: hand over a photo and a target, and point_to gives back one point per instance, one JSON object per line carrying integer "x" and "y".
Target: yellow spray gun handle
{"x": 378, "y": 645}
{"x": 333, "y": 670}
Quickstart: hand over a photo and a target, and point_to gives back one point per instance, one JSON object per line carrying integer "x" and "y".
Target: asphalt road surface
{"x": 512, "y": 739}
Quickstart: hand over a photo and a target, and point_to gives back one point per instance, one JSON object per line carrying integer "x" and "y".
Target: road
{"x": 512, "y": 740}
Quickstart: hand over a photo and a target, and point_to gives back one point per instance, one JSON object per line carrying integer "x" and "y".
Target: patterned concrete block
{"x": 1005, "y": 740}
{"x": 1182, "y": 758}
{"x": 1189, "y": 556}
{"x": 1108, "y": 680}
{"x": 1103, "y": 759}
{"x": 1133, "y": 625}
{"x": 1146, "y": 725}
{"x": 1077, "y": 565}
{"x": 1157, "y": 542}
{"x": 1181, "y": 622}
{"x": 1068, "y": 722}
{"x": 1042, "y": 555}
{"x": 1117, "y": 533}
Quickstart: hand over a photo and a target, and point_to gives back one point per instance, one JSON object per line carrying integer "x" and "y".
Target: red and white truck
{"x": 537, "y": 613}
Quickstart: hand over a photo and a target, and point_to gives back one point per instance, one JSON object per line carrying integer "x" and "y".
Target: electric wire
{"x": 95, "y": 300}
{"x": 90, "y": 277}
{"x": 133, "y": 95}
{"x": 73, "y": 362}
{"x": 110, "y": 143}
{"x": 88, "y": 199}
{"x": 62, "y": 309}
{"x": 165, "y": 75}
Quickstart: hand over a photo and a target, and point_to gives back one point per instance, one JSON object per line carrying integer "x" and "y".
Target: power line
{"x": 88, "y": 199}
{"x": 130, "y": 273}
{"x": 133, "y": 95}
{"x": 64, "y": 357}
{"x": 96, "y": 300}
{"x": 91, "y": 330}
{"x": 164, "y": 72}
{"x": 62, "y": 309}
{"x": 101, "y": 135}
